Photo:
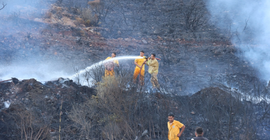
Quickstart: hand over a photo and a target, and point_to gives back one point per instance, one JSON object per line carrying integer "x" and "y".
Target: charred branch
{"x": 3, "y": 6}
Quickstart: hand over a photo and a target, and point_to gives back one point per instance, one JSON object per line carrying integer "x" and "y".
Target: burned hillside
{"x": 206, "y": 75}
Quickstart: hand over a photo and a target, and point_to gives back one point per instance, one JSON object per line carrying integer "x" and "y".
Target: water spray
{"x": 102, "y": 62}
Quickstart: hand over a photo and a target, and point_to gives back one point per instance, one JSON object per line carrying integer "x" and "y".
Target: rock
{"x": 68, "y": 22}
{"x": 38, "y": 20}
{"x": 7, "y": 104}
{"x": 145, "y": 132}
{"x": 15, "y": 81}
{"x": 78, "y": 39}
{"x": 127, "y": 39}
{"x": 144, "y": 41}
{"x": 157, "y": 32}
{"x": 192, "y": 112}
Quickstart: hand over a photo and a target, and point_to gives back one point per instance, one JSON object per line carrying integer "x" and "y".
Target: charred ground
{"x": 39, "y": 110}
{"x": 207, "y": 82}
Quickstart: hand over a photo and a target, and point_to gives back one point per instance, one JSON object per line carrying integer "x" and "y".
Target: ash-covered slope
{"x": 35, "y": 107}
{"x": 63, "y": 108}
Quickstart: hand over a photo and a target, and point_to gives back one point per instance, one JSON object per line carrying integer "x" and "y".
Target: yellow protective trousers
{"x": 136, "y": 73}
{"x": 109, "y": 73}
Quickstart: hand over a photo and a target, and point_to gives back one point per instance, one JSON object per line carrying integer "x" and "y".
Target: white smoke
{"x": 24, "y": 7}
{"x": 42, "y": 72}
{"x": 247, "y": 22}
{"x": 25, "y": 63}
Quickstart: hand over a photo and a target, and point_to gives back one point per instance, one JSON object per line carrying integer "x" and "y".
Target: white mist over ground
{"x": 27, "y": 6}
{"x": 23, "y": 62}
{"x": 31, "y": 66}
{"x": 248, "y": 22}
{"x": 40, "y": 72}
{"x": 47, "y": 72}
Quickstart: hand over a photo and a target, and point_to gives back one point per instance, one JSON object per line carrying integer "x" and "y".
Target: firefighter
{"x": 109, "y": 66}
{"x": 140, "y": 68}
{"x": 174, "y": 128}
{"x": 153, "y": 70}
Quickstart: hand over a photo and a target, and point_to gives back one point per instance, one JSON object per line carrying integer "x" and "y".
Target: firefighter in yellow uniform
{"x": 153, "y": 70}
{"x": 109, "y": 66}
{"x": 140, "y": 68}
{"x": 174, "y": 128}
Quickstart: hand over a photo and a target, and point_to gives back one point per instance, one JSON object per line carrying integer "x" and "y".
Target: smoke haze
{"x": 246, "y": 22}
{"x": 26, "y": 60}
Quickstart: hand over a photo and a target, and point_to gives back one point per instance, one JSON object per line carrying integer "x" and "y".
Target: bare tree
{"x": 100, "y": 10}
{"x": 30, "y": 126}
{"x": 195, "y": 14}
{"x": 81, "y": 115}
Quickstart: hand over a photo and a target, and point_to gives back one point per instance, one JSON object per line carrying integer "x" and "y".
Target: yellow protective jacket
{"x": 115, "y": 61}
{"x": 153, "y": 66}
{"x": 140, "y": 61}
{"x": 110, "y": 65}
{"x": 174, "y": 129}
